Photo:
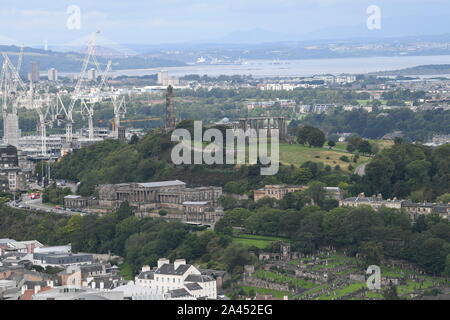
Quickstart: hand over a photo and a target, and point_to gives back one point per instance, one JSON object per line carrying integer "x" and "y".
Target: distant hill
{"x": 72, "y": 61}
{"x": 431, "y": 69}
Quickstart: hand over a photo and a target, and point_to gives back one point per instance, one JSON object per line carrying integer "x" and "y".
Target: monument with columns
{"x": 265, "y": 123}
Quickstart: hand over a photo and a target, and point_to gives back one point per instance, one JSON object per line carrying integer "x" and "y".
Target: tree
{"x": 329, "y": 204}
{"x": 316, "y": 191}
{"x": 447, "y": 266}
{"x": 331, "y": 144}
{"x": 314, "y": 137}
{"x": 375, "y": 148}
{"x": 390, "y": 293}
{"x": 445, "y": 198}
{"x": 303, "y": 134}
{"x": 372, "y": 253}
{"x": 379, "y": 173}
{"x": 365, "y": 147}
{"x": 134, "y": 139}
{"x": 302, "y": 176}
{"x": 124, "y": 211}
{"x": 355, "y": 140}
{"x": 228, "y": 202}
{"x": 430, "y": 253}
{"x": 236, "y": 255}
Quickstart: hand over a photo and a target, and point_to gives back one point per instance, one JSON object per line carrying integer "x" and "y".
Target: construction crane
{"x": 87, "y": 111}
{"x": 120, "y": 109}
{"x": 19, "y": 60}
{"x": 10, "y": 82}
{"x": 43, "y": 108}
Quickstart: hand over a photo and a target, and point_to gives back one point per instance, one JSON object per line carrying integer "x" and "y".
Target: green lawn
{"x": 411, "y": 286}
{"x": 393, "y": 272}
{"x": 343, "y": 291}
{"x": 279, "y": 278}
{"x": 335, "y": 261}
{"x": 260, "y": 242}
{"x": 274, "y": 293}
{"x": 297, "y": 154}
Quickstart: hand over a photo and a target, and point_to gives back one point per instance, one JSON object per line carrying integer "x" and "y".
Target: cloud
{"x": 189, "y": 20}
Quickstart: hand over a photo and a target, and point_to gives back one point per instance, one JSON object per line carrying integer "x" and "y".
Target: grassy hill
{"x": 297, "y": 154}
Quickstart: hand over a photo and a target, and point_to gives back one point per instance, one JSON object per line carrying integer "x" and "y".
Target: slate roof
{"x": 147, "y": 275}
{"x": 91, "y": 267}
{"x": 6, "y": 240}
{"x": 178, "y": 293}
{"x": 198, "y": 278}
{"x": 169, "y": 269}
{"x": 193, "y": 286}
{"x": 162, "y": 184}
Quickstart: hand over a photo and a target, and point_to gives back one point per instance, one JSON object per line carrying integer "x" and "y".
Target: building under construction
{"x": 12, "y": 132}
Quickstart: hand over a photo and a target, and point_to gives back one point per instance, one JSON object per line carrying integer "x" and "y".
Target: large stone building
{"x": 375, "y": 202}
{"x": 74, "y": 201}
{"x": 414, "y": 210}
{"x": 276, "y": 191}
{"x": 199, "y": 205}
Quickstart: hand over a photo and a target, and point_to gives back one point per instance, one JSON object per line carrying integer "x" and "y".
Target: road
{"x": 361, "y": 169}
{"x": 36, "y": 204}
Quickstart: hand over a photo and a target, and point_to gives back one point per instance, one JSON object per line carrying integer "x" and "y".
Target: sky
{"x": 32, "y": 22}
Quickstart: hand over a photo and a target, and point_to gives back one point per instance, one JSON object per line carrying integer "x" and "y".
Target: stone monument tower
{"x": 170, "y": 110}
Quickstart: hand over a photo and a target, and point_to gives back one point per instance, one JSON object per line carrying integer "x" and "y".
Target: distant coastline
{"x": 431, "y": 69}
{"x": 304, "y": 68}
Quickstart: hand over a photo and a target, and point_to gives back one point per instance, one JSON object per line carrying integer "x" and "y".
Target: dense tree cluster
{"x": 416, "y": 126}
{"x": 312, "y": 136}
{"x": 149, "y": 160}
{"x": 55, "y": 195}
{"x": 139, "y": 241}
{"x": 374, "y": 235}
{"x": 408, "y": 170}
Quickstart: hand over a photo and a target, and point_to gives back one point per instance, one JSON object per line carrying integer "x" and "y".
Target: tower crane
{"x": 120, "y": 109}
{"x": 68, "y": 112}
{"x": 9, "y": 84}
{"x": 87, "y": 109}
{"x": 19, "y": 60}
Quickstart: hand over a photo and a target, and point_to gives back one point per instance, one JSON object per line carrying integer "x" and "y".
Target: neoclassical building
{"x": 200, "y": 202}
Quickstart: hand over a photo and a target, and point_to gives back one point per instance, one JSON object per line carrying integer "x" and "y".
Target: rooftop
{"x": 169, "y": 269}
{"x": 162, "y": 184}
{"x": 178, "y": 293}
{"x": 193, "y": 286}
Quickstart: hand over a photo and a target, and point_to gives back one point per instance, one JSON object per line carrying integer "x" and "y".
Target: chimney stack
{"x": 37, "y": 288}
{"x": 178, "y": 263}
{"x": 162, "y": 262}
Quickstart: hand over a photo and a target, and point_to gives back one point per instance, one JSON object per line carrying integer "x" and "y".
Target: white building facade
{"x": 177, "y": 279}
